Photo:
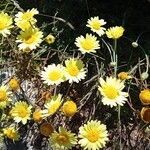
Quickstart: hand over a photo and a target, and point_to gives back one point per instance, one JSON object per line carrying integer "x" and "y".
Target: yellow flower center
{"x": 29, "y": 39}
{"x": 22, "y": 112}
{"x": 37, "y": 116}
{"x": 14, "y": 84}
{"x": 62, "y": 139}
{"x": 73, "y": 70}
{"x": 111, "y": 92}
{"x": 27, "y": 16}
{"x": 96, "y": 25}
{"x": 54, "y": 75}
{"x": 3, "y": 96}
{"x": 87, "y": 44}
{"x": 93, "y": 136}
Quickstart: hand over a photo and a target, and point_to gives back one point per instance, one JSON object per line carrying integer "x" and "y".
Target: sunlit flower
{"x": 11, "y": 133}
{"x": 46, "y": 129}
{"x": 93, "y": 135}
{"x": 37, "y": 115}
{"x": 5, "y": 24}
{"x": 74, "y": 70}
{"x": 53, "y": 74}
{"x": 50, "y": 39}
{"x": 96, "y": 25}
{"x": 124, "y": 76}
{"x": 111, "y": 90}
{"x": 52, "y": 105}
{"x": 145, "y": 96}
{"x": 29, "y": 39}
{"x": 145, "y": 114}
{"x": 14, "y": 84}
{"x": 4, "y": 96}
{"x": 115, "y": 32}
{"x": 21, "y": 112}
{"x": 26, "y": 20}
{"x": 69, "y": 108}
{"x": 87, "y": 44}
{"x": 63, "y": 140}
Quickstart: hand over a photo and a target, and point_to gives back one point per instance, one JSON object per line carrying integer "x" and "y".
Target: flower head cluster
{"x": 96, "y": 25}
{"x": 11, "y": 133}
{"x": 26, "y": 20}
{"x": 74, "y": 70}
{"x": 53, "y": 74}
{"x": 145, "y": 96}
{"x": 115, "y": 32}
{"x": 87, "y": 44}
{"x": 5, "y": 24}
{"x": 21, "y": 112}
{"x": 63, "y": 139}
{"x": 4, "y": 96}
{"x": 69, "y": 108}
{"x": 52, "y": 105}
{"x": 93, "y": 135}
{"x": 29, "y": 39}
{"x": 111, "y": 90}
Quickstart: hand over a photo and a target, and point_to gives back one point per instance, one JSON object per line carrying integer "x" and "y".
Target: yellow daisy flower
{"x": 11, "y": 133}
{"x": 14, "y": 84}
{"x": 26, "y": 20}
{"x": 52, "y": 105}
{"x": 124, "y": 76}
{"x": 37, "y": 115}
{"x": 53, "y": 74}
{"x": 111, "y": 90}
{"x": 145, "y": 114}
{"x": 74, "y": 71}
{"x": 21, "y": 112}
{"x": 63, "y": 140}
{"x": 4, "y": 96}
{"x": 29, "y": 39}
{"x": 5, "y": 24}
{"x": 145, "y": 96}
{"x": 87, "y": 44}
{"x": 50, "y": 39}
{"x": 96, "y": 25}
{"x": 69, "y": 108}
{"x": 93, "y": 135}
{"x": 115, "y": 32}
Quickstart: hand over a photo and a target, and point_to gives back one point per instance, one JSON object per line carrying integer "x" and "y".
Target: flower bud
{"x": 135, "y": 44}
{"x": 144, "y": 75}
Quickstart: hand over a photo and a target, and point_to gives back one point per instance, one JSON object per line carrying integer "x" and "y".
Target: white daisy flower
{"x": 74, "y": 70}
{"x": 111, "y": 90}
{"x": 96, "y": 25}
{"x": 53, "y": 74}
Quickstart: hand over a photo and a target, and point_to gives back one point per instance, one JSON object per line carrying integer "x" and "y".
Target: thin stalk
{"x": 115, "y": 57}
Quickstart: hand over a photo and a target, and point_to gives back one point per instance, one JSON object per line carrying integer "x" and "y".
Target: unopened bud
{"x": 113, "y": 64}
{"x": 135, "y": 44}
{"x": 144, "y": 75}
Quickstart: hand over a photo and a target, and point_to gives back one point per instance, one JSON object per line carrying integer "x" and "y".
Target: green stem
{"x": 119, "y": 127}
{"x": 115, "y": 57}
